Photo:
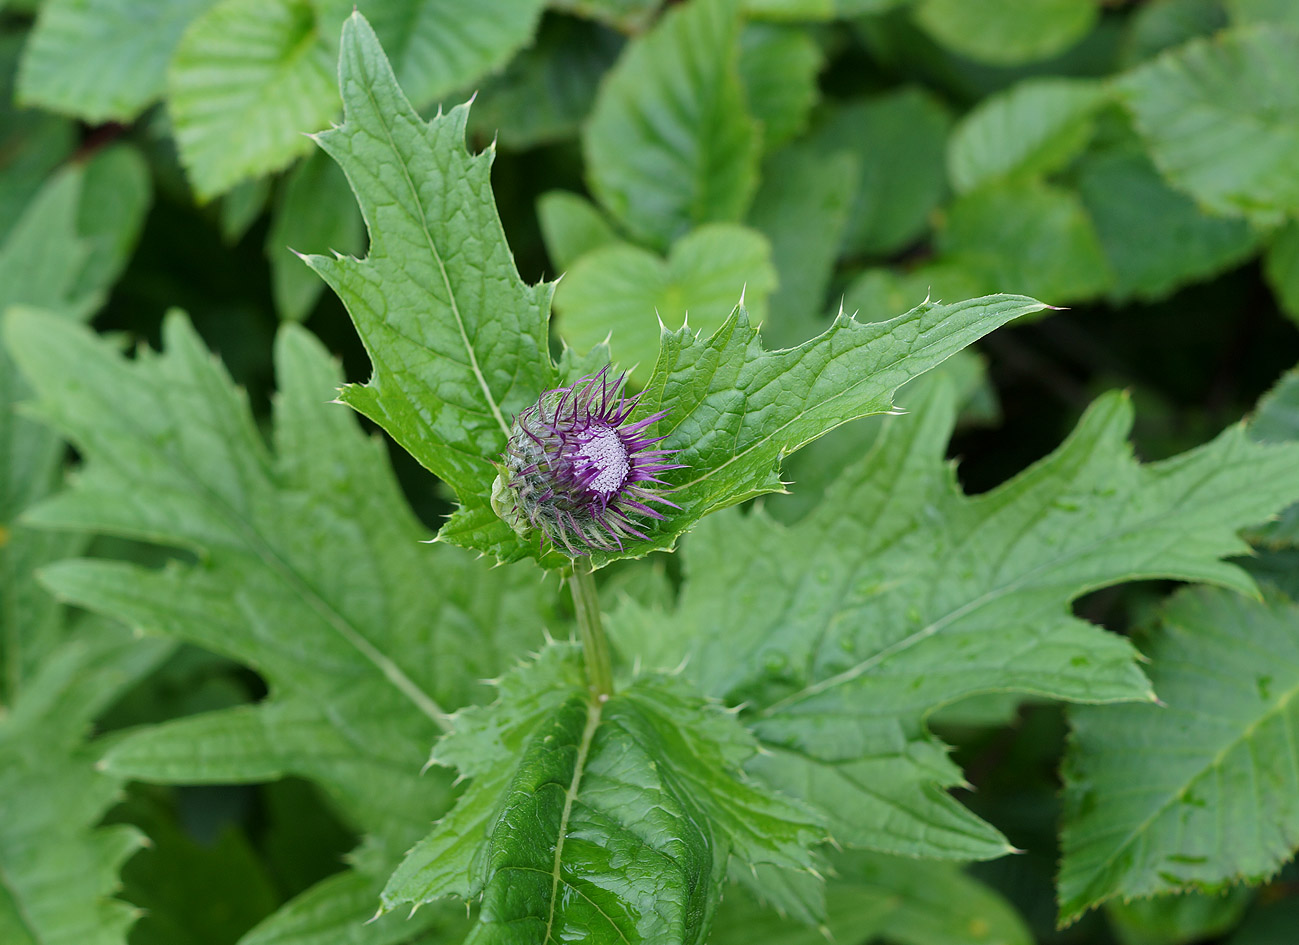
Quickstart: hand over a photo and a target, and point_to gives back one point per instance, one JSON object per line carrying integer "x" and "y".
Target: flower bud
{"x": 577, "y": 472}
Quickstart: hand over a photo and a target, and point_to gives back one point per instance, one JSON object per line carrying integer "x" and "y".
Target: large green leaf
{"x": 311, "y": 570}
{"x": 1240, "y": 91}
{"x": 1007, "y": 32}
{"x": 1277, "y": 421}
{"x": 248, "y": 79}
{"x": 607, "y": 820}
{"x": 1202, "y": 790}
{"x": 1263, "y": 11}
{"x": 838, "y": 635}
{"x": 778, "y": 66}
{"x": 571, "y": 227}
{"x": 97, "y": 60}
{"x": 630, "y": 295}
{"x": 457, "y": 340}
{"x": 670, "y": 144}
{"x": 1281, "y": 264}
{"x": 1033, "y": 128}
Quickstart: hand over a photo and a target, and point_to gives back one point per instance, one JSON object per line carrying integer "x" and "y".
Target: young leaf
{"x": 841, "y": 633}
{"x": 92, "y": 60}
{"x": 630, "y": 295}
{"x": 670, "y": 144}
{"x": 457, "y": 340}
{"x": 248, "y": 78}
{"x": 1240, "y": 90}
{"x": 1202, "y": 791}
{"x": 1033, "y": 128}
{"x": 598, "y": 821}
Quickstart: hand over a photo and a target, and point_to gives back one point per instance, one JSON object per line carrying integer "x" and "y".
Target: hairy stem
{"x": 595, "y": 648}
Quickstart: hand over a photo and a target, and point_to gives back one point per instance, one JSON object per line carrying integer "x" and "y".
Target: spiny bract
{"x": 576, "y": 474}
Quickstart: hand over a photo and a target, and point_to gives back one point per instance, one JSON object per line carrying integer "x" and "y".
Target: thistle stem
{"x": 595, "y": 648}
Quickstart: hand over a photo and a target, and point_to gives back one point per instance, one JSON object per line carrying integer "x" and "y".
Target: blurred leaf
{"x": 1277, "y": 421}
{"x": 876, "y": 292}
{"x": 838, "y": 635}
{"x": 1032, "y": 238}
{"x": 630, "y": 16}
{"x": 1034, "y": 128}
{"x": 315, "y": 213}
{"x": 1281, "y": 265}
{"x": 547, "y": 90}
{"x": 875, "y": 897}
{"x": 816, "y": 9}
{"x": 571, "y": 226}
{"x": 58, "y": 871}
{"x": 670, "y": 144}
{"x": 900, "y": 140}
{"x": 98, "y": 60}
{"x": 1272, "y": 924}
{"x": 1263, "y": 11}
{"x": 631, "y": 294}
{"x": 248, "y": 79}
{"x": 1177, "y": 920}
{"x": 1008, "y": 32}
{"x": 241, "y": 206}
{"x": 1155, "y": 238}
{"x": 1164, "y": 24}
{"x": 1240, "y": 91}
{"x": 1202, "y": 791}
{"x": 438, "y": 46}
{"x": 598, "y": 821}
{"x": 802, "y": 208}
{"x": 779, "y": 66}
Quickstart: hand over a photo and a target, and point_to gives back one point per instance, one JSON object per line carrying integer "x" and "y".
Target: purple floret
{"x": 577, "y": 474}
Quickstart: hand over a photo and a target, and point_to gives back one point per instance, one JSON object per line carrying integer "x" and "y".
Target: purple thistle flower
{"x": 576, "y": 474}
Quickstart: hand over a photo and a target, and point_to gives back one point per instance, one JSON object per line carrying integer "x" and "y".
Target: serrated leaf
{"x": 803, "y": 209}
{"x": 778, "y": 66}
{"x": 606, "y": 820}
{"x": 248, "y": 78}
{"x": 1030, "y": 237}
{"x": 571, "y": 227}
{"x": 841, "y": 633}
{"x": 458, "y": 341}
{"x": 875, "y": 897}
{"x": 1028, "y": 131}
{"x": 899, "y": 140}
{"x": 93, "y": 60}
{"x": 876, "y": 292}
{"x": 439, "y": 46}
{"x": 311, "y": 570}
{"x": 1155, "y": 238}
{"x": 1007, "y": 32}
{"x": 1239, "y": 90}
{"x": 1199, "y": 792}
{"x": 315, "y": 213}
{"x": 670, "y": 144}
{"x": 57, "y": 873}
{"x": 632, "y": 295}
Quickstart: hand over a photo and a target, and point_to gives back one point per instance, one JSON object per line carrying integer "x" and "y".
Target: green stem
{"x": 595, "y": 648}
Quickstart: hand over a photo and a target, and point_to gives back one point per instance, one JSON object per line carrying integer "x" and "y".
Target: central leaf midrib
{"x": 593, "y": 712}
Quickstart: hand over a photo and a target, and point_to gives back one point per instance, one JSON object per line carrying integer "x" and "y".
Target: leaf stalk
{"x": 590, "y": 628}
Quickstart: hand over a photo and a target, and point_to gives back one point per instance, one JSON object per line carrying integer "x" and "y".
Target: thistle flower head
{"x": 578, "y": 472}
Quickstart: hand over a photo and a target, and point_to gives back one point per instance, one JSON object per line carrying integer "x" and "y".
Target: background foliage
{"x": 226, "y": 652}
